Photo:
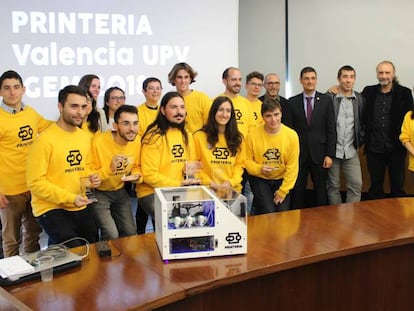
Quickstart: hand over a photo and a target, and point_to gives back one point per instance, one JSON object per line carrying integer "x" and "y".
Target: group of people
{"x": 262, "y": 146}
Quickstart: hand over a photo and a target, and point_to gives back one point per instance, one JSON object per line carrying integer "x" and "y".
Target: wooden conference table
{"x": 347, "y": 257}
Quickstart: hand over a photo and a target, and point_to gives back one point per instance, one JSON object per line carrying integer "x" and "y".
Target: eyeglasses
{"x": 153, "y": 88}
{"x": 255, "y": 84}
{"x": 120, "y": 98}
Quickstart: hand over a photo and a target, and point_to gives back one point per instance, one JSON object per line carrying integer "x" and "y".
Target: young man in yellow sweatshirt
{"x": 197, "y": 104}
{"x": 232, "y": 80}
{"x": 55, "y": 165}
{"x": 254, "y": 85}
{"x": 19, "y": 126}
{"x": 115, "y": 157}
{"x": 272, "y": 161}
{"x": 166, "y": 146}
{"x": 147, "y": 112}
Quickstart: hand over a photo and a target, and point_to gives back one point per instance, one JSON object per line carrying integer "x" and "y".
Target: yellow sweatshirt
{"x": 407, "y": 134}
{"x": 146, "y": 116}
{"x": 218, "y": 164}
{"x": 17, "y": 133}
{"x": 163, "y": 161}
{"x": 244, "y": 114}
{"x": 256, "y": 107}
{"x": 197, "y": 105}
{"x": 104, "y": 148}
{"x": 85, "y": 127}
{"x": 55, "y": 164}
{"x": 280, "y": 150}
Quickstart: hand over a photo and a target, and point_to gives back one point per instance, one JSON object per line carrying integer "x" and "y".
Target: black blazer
{"x": 318, "y": 139}
{"x": 402, "y": 102}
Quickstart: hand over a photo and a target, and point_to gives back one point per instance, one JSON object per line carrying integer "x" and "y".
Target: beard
{"x": 384, "y": 82}
{"x": 177, "y": 125}
{"x": 125, "y": 136}
{"x": 71, "y": 121}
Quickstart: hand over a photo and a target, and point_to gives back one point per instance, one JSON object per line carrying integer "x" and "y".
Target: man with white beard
{"x": 386, "y": 105}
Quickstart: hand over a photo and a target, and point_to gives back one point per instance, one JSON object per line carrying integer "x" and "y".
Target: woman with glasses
{"x": 113, "y": 98}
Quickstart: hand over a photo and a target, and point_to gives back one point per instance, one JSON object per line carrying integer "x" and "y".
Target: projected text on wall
{"x": 114, "y": 32}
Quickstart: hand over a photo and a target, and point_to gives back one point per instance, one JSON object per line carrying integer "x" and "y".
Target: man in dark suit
{"x": 386, "y": 105}
{"x": 312, "y": 116}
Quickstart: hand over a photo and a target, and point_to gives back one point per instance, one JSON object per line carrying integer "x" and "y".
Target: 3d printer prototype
{"x": 193, "y": 222}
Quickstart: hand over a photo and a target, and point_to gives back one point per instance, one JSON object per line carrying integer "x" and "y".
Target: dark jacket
{"x": 402, "y": 102}
{"x": 318, "y": 139}
{"x": 283, "y": 104}
{"x": 358, "y": 105}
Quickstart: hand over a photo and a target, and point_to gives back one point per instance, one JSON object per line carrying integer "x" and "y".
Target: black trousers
{"x": 377, "y": 163}
{"x": 319, "y": 176}
{"x": 61, "y": 225}
{"x": 263, "y": 195}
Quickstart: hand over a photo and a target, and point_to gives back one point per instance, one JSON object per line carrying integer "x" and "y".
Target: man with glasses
{"x": 272, "y": 86}
{"x": 197, "y": 104}
{"x": 147, "y": 112}
{"x": 115, "y": 157}
{"x": 254, "y": 85}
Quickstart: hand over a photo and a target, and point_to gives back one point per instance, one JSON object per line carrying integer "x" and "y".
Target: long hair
{"x": 86, "y": 81}
{"x": 94, "y": 118}
{"x": 106, "y": 100}
{"x": 161, "y": 124}
{"x": 181, "y": 66}
{"x": 231, "y": 133}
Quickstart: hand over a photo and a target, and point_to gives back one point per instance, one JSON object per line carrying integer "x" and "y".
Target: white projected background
{"x": 53, "y": 43}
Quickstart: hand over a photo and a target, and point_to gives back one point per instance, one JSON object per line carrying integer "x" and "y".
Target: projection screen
{"x": 53, "y": 43}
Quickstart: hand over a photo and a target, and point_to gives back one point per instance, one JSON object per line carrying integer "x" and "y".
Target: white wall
{"x": 262, "y": 37}
{"x": 328, "y": 34}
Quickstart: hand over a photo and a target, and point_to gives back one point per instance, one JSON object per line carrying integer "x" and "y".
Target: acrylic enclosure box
{"x": 192, "y": 222}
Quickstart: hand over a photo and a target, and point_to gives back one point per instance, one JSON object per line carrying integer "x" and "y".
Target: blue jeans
{"x": 113, "y": 214}
{"x": 61, "y": 225}
{"x": 351, "y": 170}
